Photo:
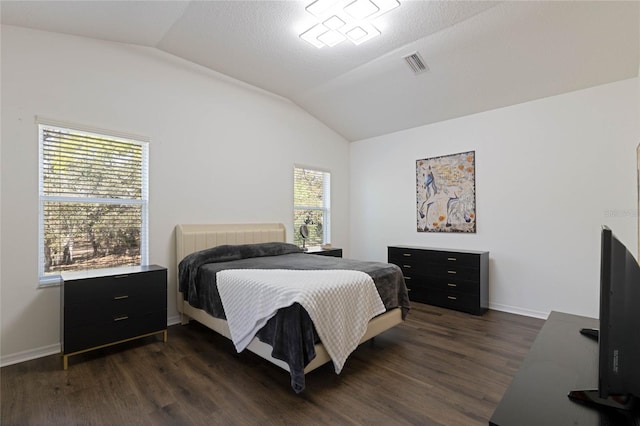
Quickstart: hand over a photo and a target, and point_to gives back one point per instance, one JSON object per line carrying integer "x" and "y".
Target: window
{"x": 311, "y": 205}
{"x": 93, "y": 201}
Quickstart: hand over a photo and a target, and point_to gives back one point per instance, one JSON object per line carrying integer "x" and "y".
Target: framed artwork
{"x": 446, "y": 193}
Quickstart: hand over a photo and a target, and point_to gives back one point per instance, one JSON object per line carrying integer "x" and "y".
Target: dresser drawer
{"x": 406, "y": 255}
{"x": 107, "y": 288}
{"x": 94, "y": 311}
{"x": 454, "y": 284}
{"x": 454, "y": 300}
{"x": 454, "y": 272}
{"x": 115, "y": 329}
{"x": 454, "y": 259}
{"x": 420, "y": 255}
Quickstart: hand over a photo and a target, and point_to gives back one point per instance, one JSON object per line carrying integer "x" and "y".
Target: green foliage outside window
{"x": 93, "y": 201}
{"x": 311, "y": 206}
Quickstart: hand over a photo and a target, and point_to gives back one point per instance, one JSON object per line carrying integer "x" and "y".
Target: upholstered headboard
{"x": 192, "y": 238}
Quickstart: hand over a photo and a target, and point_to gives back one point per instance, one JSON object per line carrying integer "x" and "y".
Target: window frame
{"x": 55, "y": 279}
{"x": 326, "y": 198}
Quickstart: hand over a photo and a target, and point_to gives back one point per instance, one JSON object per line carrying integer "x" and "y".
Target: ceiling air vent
{"x": 416, "y": 63}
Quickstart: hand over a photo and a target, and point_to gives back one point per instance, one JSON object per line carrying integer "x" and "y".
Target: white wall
{"x": 549, "y": 173}
{"x": 220, "y": 151}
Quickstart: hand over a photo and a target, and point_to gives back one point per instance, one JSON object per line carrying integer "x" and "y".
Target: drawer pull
{"x": 452, "y": 285}
{"x": 451, "y": 259}
{"x": 121, "y": 276}
{"x": 451, "y": 272}
{"x": 406, "y": 254}
{"x": 121, "y": 297}
{"x": 407, "y": 278}
{"x": 406, "y": 266}
{"x": 451, "y": 297}
{"x": 123, "y": 317}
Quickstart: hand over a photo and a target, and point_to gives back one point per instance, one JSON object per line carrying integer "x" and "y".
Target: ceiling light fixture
{"x": 312, "y": 34}
{"x": 334, "y": 23}
{"x": 339, "y": 20}
{"x": 319, "y": 7}
{"x": 364, "y": 32}
{"x": 360, "y": 9}
{"x": 356, "y": 34}
{"x": 331, "y": 38}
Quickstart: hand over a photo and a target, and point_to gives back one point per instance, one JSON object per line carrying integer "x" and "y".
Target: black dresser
{"x": 109, "y": 306}
{"x": 455, "y": 279}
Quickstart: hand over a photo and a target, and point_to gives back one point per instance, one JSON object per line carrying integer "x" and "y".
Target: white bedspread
{"x": 339, "y": 302}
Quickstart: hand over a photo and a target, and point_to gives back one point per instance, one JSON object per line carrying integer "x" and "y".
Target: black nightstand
{"x": 335, "y": 252}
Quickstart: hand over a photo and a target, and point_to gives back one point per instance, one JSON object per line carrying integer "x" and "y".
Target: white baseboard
{"x": 30, "y": 354}
{"x": 518, "y": 311}
{"x": 173, "y": 320}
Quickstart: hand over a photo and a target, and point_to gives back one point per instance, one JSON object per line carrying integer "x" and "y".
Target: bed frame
{"x": 192, "y": 238}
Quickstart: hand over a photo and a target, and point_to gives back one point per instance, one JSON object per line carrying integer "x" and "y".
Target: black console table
{"x": 560, "y": 360}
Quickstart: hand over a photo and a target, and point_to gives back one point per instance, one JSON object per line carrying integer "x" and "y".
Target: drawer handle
{"x": 451, "y": 259}
{"x": 451, "y": 272}
{"x": 121, "y": 297}
{"x": 407, "y": 278}
{"x": 406, "y": 254}
{"x": 406, "y": 266}
{"x": 408, "y": 290}
{"x": 123, "y": 317}
{"x": 452, "y": 285}
{"x": 451, "y": 297}
{"x": 121, "y": 276}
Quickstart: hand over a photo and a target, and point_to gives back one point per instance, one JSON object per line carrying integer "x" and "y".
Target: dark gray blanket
{"x": 189, "y": 267}
{"x": 290, "y": 332}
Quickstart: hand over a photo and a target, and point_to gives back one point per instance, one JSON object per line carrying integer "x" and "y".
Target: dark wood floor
{"x": 439, "y": 367}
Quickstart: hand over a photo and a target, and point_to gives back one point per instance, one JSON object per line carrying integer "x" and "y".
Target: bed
{"x": 192, "y": 241}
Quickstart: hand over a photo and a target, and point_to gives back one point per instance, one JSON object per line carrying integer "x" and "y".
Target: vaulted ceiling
{"x": 480, "y": 55}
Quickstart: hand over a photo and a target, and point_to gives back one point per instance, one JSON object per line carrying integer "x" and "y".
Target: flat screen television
{"x": 619, "y": 333}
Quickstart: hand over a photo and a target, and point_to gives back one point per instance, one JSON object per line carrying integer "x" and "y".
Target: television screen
{"x": 618, "y": 336}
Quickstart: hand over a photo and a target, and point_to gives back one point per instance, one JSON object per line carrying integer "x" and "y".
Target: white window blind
{"x": 93, "y": 201}
{"x": 312, "y": 205}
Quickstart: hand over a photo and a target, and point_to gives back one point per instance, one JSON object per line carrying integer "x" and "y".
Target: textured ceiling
{"x": 481, "y": 55}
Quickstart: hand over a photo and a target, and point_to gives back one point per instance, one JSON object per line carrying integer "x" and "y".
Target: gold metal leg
{"x": 65, "y": 358}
